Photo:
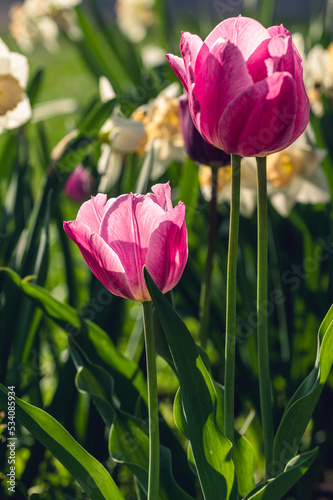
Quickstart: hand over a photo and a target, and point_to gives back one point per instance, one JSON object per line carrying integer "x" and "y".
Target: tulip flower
{"x": 245, "y": 86}
{"x": 199, "y": 150}
{"x": 117, "y": 237}
{"x": 79, "y": 186}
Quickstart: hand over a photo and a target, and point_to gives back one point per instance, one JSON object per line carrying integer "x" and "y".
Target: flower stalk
{"x": 204, "y": 306}
{"x": 231, "y": 324}
{"x": 262, "y": 328}
{"x": 154, "y": 441}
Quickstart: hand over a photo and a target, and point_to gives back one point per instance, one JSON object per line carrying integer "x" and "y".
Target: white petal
{"x": 105, "y": 89}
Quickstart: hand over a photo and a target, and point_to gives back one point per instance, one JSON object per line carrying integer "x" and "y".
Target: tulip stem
{"x": 154, "y": 442}
{"x": 231, "y": 325}
{"x": 204, "y": 305}
{"x": 262, "y": 324}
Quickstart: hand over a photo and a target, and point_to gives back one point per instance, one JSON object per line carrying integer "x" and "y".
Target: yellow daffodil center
{"x": 223, "y": 177}
{"x": 161, "y": 121}
{"x": 282, "y": 167}
{"x": 10, "y": 93}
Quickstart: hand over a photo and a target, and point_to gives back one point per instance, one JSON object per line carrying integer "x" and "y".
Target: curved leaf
{"x": 301, "y": 406}
{"x": 91, "y": 341}
{"x": 211, "y": 449}
{"x": 276, "y": 488}
{"x": 88, "y": 472}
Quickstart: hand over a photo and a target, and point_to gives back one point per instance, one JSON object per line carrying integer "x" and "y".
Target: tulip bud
{"x": 199, "y": 150}
{"x": 79, "y": 186}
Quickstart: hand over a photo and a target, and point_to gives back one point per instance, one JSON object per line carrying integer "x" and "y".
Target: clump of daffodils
{"x": 14, "y": 104}
{"x": 154, "y": 125}
{"x": 294, "y": 175}
{"x": 39, "y": 21}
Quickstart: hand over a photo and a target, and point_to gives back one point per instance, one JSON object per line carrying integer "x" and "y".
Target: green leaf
{"x": 129, "y": 445}
{"x": 87, "y": 471}
{"x": 35, "y": 86}
{"x": 102, "y": 52}
{"x": 276, "y": 488}
{"x": 189, "y": 188}
{"x": 90, "y": 341}
{"x": 211, "y": 449}
{"x": 96, "y": 382}
{"x": 129, "y": 441}
{"x": 301, "y": 406}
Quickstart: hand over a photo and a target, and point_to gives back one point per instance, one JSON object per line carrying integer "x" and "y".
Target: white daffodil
{"x": 35, "y": 21}
{"x": 14, "y": 104}
{"x": 160, "y": 118}
{"x": 294, "y": 175}
{"x": 248, "y": 193}
{"x": 153, "y": 56}
{"x": 120, "y": 135}
{"x": 317, "y": 72}
{"x": 135, "y": 17}
{"x": 153, "y": 126}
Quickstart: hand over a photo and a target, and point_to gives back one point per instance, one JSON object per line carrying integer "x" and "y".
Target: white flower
{"x": 294, "y": 175}
{"x": 134, "y": 17}
{"x": 317, "y": 72}
{"x": 161, "y": 121}
{"x": 153, "y": 56}
{"x": 14, "y": 104}
{"x": 153, "y": 126}
{"x": 120, "y": 135}
{"x": 248, "y": 193}
{"x": 36, "y": 21}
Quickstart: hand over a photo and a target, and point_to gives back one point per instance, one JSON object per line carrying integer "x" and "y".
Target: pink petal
{"x": 261, "y": 119}
{"x": 278, "y": 30}
{"x": 168, "y": 251}
{"x": 162, "y": 195}
{"x": 190, "y": 46}
{"x": 178, "y": 66}
{"x": 282, "y": 46}
{"x": 280, "y": 49}
{"x": 126, "y": 227}
{"x": 101, "y": 259}
{"x": 246, "y": 33}
{"x": 92, "y": 211}
{"x": 223, "y": 76}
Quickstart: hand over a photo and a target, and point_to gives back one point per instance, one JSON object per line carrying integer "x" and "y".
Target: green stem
{"x": 204, "y": 305}
{"x": 231, "y": 321}
{"x": 262, "y": 330}
{"x": 154, "y": 442}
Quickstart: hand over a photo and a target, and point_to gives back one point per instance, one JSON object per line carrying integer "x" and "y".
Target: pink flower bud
{"x": 79, "y": 186}
{"x": 117, "y": 237}
{"x": 245, "y": 86}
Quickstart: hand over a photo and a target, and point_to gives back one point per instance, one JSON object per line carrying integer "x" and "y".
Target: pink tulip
{"x": 245, "y": 86}
{"x": 79, "y": 186}
{"x": 117, "y": 237}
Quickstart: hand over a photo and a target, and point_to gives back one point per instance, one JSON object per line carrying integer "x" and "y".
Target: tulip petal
{"x": 244, "y": 32}
{"x": 101, "y": 259}
{"x": 223, "y": 76}
{"x": 126, "y": 227}
{"x": 167, "y": 252}
{"x": 178, "y": 66}
{"x": 92, "y": 211}
{"x": 162, "y": 195}
{"x": 194, "y": 53}
{"x": 261, "y": 119}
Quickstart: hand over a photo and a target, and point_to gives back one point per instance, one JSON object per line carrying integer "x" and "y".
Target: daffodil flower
{"x": 14, "y": 104}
